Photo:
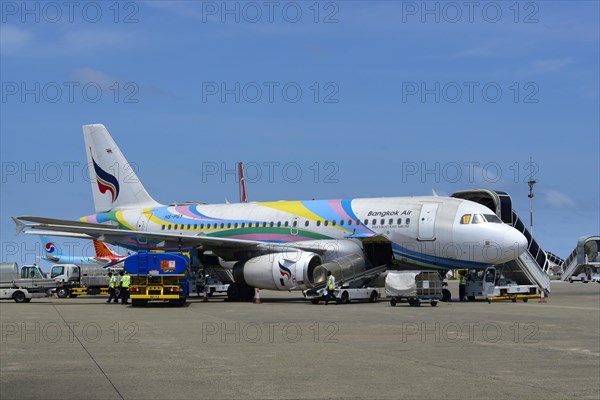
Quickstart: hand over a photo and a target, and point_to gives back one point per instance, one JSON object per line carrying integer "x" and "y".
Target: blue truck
{"x": 158, "y": 277}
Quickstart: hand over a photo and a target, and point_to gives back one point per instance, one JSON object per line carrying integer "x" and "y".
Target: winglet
{"x": 19, "y": 224}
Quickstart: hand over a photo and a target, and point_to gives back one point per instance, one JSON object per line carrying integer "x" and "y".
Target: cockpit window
{"x": 465, "y": 219}
{"x": 492, "y": 218}
{"x": 477, "y": 219}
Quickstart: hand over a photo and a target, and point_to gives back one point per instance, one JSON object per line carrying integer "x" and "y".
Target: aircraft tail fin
{"x": 102, "y": 250}
{"x": 50, "y": 249}
{"x": 115, "y": 185}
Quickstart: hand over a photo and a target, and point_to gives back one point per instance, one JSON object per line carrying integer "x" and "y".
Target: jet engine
{"x": 278, "y": 271}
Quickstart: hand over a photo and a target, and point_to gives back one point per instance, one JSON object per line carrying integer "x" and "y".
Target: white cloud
{"x": 13, "y": 39}
{"x": 547, "y": 66}
{"x": 556, "y": 198}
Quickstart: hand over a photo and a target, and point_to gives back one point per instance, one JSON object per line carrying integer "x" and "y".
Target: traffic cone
{"x": 205, "y": 298}
{"x": 257, "y": 296}
{"x": 542, "y": 296}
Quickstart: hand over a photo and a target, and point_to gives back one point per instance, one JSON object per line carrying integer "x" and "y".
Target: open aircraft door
{"x": 427, "y": 221}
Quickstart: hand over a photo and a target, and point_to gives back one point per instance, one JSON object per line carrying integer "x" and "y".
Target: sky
{"x": 331, "y": 99}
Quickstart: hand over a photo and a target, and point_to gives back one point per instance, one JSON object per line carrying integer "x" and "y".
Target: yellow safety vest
{"x": 330, "y": 282}
{"x": 113, "y": 282}
{"x": 463, "y": 281}
{"x": 126, "y": 281}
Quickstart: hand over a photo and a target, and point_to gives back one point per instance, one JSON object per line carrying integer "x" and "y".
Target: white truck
{"x": 490, "y": 283}
{"x": 73, "y": 280}
{"x": 29, "y": 277}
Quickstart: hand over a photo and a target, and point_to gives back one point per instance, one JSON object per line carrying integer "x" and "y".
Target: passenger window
{"x": 399, "y": 221}
{"x": 391, "y": 221}
{"x": 374, "y": 222}
{"x": 175, "y": 227}
{"x": 278, "y": 223}
{"x": 295, "y": 223}
{"x": 306, "y": 223}
{"x": 407, "y": 221}
{"x": 265, "y": 224}
{"x": 318, "y": 223}
{"x": 326, "y": 222}
{"x": 201, "y": 226}
{"x": 349, "y": 222}
{"x": 341, "y": 222}
{"x": 333, "y": 222}
{"x": 286, "y": 223}
{"x": 465, "y": 219}
{"x": 222, "y": 225}
{"x": 243, "y": 224}
{"x": 195, "y": 226}
{"x": 366, "y": 222}
{"x": 189, "y": 226}
{"x": 163, "y": 227}
{"x": 382, "y": 221}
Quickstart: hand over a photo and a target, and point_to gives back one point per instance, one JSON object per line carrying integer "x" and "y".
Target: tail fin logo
{"x": 50, "y": 247}
{"x": 106, "y": 182}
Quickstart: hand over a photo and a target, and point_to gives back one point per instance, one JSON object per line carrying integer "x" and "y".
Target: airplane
{"x": 53, "y": 253}
{"x": 280, "y": 245}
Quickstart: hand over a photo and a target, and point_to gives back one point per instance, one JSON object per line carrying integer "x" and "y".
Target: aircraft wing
{"x": 226, "y": 248}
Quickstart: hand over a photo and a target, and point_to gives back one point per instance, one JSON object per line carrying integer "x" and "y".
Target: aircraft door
{"x": 142, "y": 225}
{"x": 294, "y": 226}
{"x": 426, "y": 230}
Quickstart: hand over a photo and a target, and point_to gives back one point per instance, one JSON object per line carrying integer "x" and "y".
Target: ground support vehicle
{"x": 489, "y": 283}
{"x": 29, "y": 277}
{"x": 415, "y": 287}
{"x": 346, "y": 295}
{"x": 74, "y": 280}
{"x": 19, "y": 295}
{"x": 158, "y": 277}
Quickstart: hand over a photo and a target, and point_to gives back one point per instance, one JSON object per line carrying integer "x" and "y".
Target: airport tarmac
{"x": 289, "y": 348}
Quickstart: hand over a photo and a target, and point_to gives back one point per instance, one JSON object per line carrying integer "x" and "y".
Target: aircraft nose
{"x": 515, "y": 242}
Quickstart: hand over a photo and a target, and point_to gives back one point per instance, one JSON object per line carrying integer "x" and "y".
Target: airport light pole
{"x": 531, "y": 182}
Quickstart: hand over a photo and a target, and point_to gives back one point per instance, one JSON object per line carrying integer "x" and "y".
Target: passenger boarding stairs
{"x": 577, "y": 260}
{"x": 531, "y": 268}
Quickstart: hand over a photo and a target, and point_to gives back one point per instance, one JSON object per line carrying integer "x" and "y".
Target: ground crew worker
{"x": 125, "y": 282}
{"x": 330, "y": 288}
{"x": 112, "y": 288}
{"x": 462, "y": 286}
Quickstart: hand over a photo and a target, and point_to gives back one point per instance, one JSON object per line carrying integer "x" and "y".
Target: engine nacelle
{"x": 341, "y": 268}
{"x": 278, "y": 271}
